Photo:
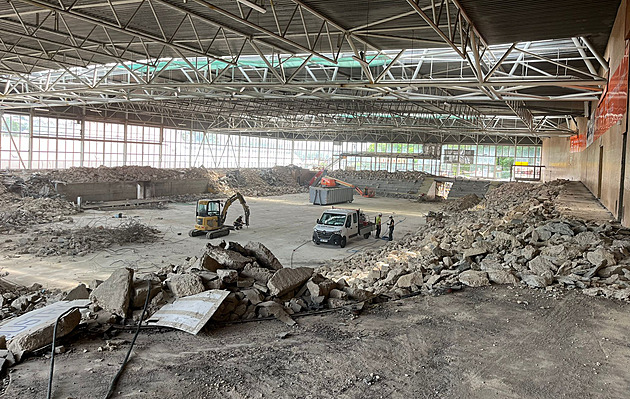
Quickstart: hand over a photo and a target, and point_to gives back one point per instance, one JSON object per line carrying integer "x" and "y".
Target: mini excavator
{"x": 211, "y": 217}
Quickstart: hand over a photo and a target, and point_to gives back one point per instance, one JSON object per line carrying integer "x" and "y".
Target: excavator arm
{"x": 229, "y": 202}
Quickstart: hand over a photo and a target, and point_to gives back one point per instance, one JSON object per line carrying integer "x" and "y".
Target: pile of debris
{"x": 81, "y": 241}
{"x": 25, "y": 184}
{"x": 343, "y": 174}
{"x": 124, "y": 173}
{"x": 17, "y": 214}
{"x": 251, "y": 279}
{"x": 278, "y": 180}
{"x": 16, "y": 300}
{"x": 461, "y": 204}
{"x": 515, "y": 236}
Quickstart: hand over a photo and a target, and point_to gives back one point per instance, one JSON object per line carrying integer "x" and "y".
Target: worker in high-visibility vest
{"x": 378, "y": 225}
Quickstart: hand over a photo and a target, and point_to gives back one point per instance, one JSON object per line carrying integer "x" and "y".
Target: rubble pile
{"x": 515, "y": 236}
{"x": 278, "y": 180}
{"x": 124, "y": 173}
{"x": 378, "y": 175}
{"x": 16, "y": 300}
{"x": 461, "y": 204}
{"x": 258, "y": 283}
{"x": 81, "y": 241}
{"x": 23, "y": 184}
{"x": 17, "y": 213}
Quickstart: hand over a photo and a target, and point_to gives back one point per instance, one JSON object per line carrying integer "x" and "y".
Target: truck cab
{"x": 336, "y": 226}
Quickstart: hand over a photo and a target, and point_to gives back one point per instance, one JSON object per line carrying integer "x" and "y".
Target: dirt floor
{"x": 494, "y": 342}
{"x": 282, "y": 223}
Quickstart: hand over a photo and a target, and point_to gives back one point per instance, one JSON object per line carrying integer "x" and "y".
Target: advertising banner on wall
{"x": 612, "y": 105}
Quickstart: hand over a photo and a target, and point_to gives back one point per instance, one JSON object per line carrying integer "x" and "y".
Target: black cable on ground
{"x": 296, "y": 248}
{"x": 112, "y": 386}
{"x": 52, "y": 350}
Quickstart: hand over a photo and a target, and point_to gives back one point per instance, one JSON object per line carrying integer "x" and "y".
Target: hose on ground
{"x": 114, "y": 382}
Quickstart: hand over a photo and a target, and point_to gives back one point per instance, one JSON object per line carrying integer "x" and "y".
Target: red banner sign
{"x": 612, "y": 106}
{"x": 578, "y": 143}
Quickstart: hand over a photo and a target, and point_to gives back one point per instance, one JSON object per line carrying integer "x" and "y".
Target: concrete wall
{"x": 601, "y": 176}
{"x": 128, "y": 190}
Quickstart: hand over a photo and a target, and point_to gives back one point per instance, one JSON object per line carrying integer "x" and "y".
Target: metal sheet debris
{"x": 189, "y": 313}
{"x": 38, "y": 317}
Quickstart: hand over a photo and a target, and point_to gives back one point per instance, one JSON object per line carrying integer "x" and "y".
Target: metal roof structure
{"x": 417, "y": 69}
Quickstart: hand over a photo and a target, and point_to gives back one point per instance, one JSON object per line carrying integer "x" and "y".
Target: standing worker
{"x": 391, "y": 228}
{"x": 378, "y": 225}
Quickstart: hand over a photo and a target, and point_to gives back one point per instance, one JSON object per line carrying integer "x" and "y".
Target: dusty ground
{"x": 495, "y": 342}
{"x": 282, "y": 223}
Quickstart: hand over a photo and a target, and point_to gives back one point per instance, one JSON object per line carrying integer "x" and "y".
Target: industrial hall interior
{"x": 310, "y": 199}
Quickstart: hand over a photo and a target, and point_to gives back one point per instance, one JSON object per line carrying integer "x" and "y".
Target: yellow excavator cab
{"x": 210, "y": 217}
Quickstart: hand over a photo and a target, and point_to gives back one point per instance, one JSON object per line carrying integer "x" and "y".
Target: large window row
{"x": 62, "y": 143}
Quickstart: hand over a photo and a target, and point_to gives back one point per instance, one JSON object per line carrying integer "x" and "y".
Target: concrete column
{"x": 125, "y": 141}
{"x": 56, "y": 141}
{"x": 190, "y": 147}
{"x": 292, "y": 150}
{"x": 30, "y": 140}
{"x": 82, "y": 140}
{"x": 238, "y": 154}
{"x": 161, "y": 144}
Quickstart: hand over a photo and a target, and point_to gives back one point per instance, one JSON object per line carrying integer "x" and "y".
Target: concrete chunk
{"x": 228, "y": 276}
{"x": 285, "y": 280}
{"x": 114, "y": 294}
{"x": 141, "y": 289}
{"x": 78, "y": 292}
{"x": 264, "y": 256}
{"x": 473, "y": 278}
{"x": 502, "y": 277}
{"x": 185, "y": 284}
{"x": 41, "y": 335}
{"x": 409, "y": 280}
{"x": 218, "y": 258}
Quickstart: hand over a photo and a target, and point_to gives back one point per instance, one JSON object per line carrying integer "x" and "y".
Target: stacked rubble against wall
{"x": 29, "y": 198}
{"x": 514, "y": 236}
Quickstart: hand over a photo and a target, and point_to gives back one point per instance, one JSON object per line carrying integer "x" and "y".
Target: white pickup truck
{"x": 336, "y": 226}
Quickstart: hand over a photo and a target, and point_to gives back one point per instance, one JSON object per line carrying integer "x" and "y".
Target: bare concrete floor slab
{"x": 282, "y": 223}
{"x": 575, "y": 200}
{"x": 494, "y": 342}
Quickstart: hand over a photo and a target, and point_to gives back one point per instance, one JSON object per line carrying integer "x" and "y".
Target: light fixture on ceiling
{"x": 253, "y": 6}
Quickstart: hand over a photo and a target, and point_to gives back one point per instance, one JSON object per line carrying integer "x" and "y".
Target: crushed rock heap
{"x": 259, "y": 287}
{"x": 515, "y": 236}
{"x": 379, "y": 175}
{"x": 81, "y": 241}
{"x": 263, "y": 182}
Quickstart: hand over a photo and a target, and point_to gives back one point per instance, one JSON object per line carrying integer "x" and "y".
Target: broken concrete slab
{"x": 228, "y": 276}
{"x": 78, "y": 292}
{"x": 264, "y": 256}
{"x": 541, "y": 265}
{"x": 114, "y": 294}
{"x": 141, "y": 289}
{"x": 277, "y": 310}
{"x": 182, "y": 285}
{"x": 474, "y": 278}
{"x": 219, "y": 258}
{"x": 410, "y": 280}
{"x": 601, "y": 257}
{"x": 286, "y": 280}
{"x": 259, "y": 274}
{"x": 34, "y": 330}
{"x": 502, "y": 277}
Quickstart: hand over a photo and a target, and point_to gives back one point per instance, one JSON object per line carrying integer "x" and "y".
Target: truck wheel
{"x": 342, "y": 243}
{"x": 315, "y": 239}
{"x": 366, "y": 235}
